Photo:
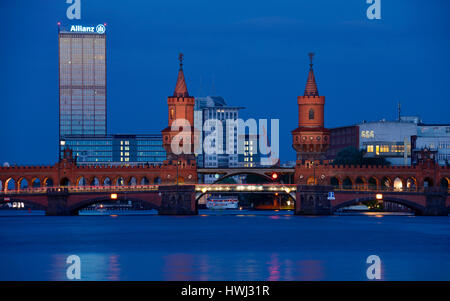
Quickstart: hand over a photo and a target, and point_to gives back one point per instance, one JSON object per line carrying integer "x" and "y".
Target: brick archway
{"x": 152, "y": 202}
{"x": 418, "y": 209}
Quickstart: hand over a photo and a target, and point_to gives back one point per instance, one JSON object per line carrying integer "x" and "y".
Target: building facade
{"x": 211, "y": 116}
{"x": 116, "y": 149}
{"x": 435, "y": 137}
{"x": 388, "y": 139}
{"x": 82, "y": 105}
{"x": 250, "y": 156}
{"x": 82, "y": 81}
{"x": 341, "y": 138}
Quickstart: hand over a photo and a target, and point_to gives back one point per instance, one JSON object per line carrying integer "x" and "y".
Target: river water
{"x": 225, "y": 246}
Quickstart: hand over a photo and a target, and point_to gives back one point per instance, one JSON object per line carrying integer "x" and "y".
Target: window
{"x": 311, "y": 114}
{"x": 370, "y": 148}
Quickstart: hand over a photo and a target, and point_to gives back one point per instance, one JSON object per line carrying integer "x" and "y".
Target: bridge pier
{"x": 57, "y": 202}
{"x": 435, "y": 202}
{"x": 178, "y": 200}
{"x": 313, "y": 200}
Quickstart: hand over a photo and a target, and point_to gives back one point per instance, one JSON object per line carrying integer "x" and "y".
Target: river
{"x": 250, "y": 245}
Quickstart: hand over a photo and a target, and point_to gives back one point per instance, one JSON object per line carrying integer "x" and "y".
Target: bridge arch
{"x": 398, "y": 183}
{"x": 428, "y": 182}
{"x": 119, "y": 181}
{"x": 81, "y": 181}
{"x": 36, "y": 182}
{"x": 22, "y": 183}
{"x": 200, "y": 194}
{"x": 229, "y": 175}
{"x": 360, "y": 183}
{"x": 418, "y": 209}
{"x": 373, "y": 183}
{"x": 132, "y": 181}
{"x": 150, "y": 204}
{"x": 445, "y": 182}
{"x": 106, "y": 181}
{"x": 347, "y": 183}
{"x": 144, "y": 181}
{"x": 334, "y": 181}
{"x": 38, "y": 205}
{"x": 411, "y": 183}
{"x": 47, "y": 182}
{"x": 386, "y": 183}
{"x": 311, "y": 181}
{"x": 94, "y": 181}
{"x": 157, "y": 181}
{"x": 65, "y": 182}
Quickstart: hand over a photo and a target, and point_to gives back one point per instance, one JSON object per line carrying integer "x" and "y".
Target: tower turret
{"x": 311, "y": 138}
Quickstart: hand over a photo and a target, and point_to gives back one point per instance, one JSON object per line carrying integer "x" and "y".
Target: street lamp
{"x": 314, "y": 172}
{"x": 178, "y": 163}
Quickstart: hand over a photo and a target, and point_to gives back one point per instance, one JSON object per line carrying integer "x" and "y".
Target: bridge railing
{"x": 74, "y": 189}
{"x": 393, "y": 189}
{"x": 271, "y": 187}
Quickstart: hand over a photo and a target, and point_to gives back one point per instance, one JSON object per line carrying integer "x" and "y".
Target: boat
{"x": 228, "y": 202}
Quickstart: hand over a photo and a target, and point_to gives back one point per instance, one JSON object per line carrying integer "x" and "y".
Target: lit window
{"x": 370, "y": 148}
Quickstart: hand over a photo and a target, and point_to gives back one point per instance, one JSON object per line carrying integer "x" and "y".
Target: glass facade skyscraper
{"x": 82, "y": 105}
{"x": 82, "y": 81}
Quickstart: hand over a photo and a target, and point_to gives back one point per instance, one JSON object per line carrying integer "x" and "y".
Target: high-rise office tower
{"x": 82, "y": 80}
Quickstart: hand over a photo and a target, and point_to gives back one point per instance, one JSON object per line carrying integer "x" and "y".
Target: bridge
{"x": 183, "y": 199}
{"x": 174, "y": 186}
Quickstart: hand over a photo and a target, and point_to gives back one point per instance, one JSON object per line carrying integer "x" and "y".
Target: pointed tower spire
{"x": 180, "y": 88}
{"x": 311, "y": 86}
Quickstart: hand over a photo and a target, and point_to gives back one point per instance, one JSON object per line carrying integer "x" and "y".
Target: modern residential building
{"x": 208, "y": 112}
{"x": 434, "y": 137}
{"x": 82, "y": 80}
{"x": 251, "y": 156}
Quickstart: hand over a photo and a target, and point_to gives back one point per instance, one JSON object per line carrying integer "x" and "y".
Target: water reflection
{"x": 94, "y": 267}
{"x": 225, "y": 247}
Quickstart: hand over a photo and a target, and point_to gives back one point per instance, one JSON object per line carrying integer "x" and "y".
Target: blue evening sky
{"x": 254, "y": 53}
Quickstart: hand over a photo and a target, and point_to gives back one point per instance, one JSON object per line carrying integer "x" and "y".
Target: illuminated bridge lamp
{"x": 379, "y": 196}
{"x": 113, "y": 196}
{"x": 204, "y": 189}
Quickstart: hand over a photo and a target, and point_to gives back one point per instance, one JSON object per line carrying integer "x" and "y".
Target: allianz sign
{"x": 100, "y": 28}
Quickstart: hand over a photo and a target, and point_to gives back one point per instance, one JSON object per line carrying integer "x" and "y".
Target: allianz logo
{"x": 100, "y": 28}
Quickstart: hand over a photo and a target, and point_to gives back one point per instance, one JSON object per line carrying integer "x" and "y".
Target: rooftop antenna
{"x": 180, "y": 58}
{"x": 399, "y": 110}
{"x": 311, "y": 56}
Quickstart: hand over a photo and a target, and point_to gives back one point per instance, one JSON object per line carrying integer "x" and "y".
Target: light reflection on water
{"x": 223, "y": 246}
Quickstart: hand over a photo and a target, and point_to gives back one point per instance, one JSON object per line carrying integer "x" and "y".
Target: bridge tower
{"x": 180, "y": 133}
{"x": 178, "y": 141}
{"x": 311, "y": 139}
